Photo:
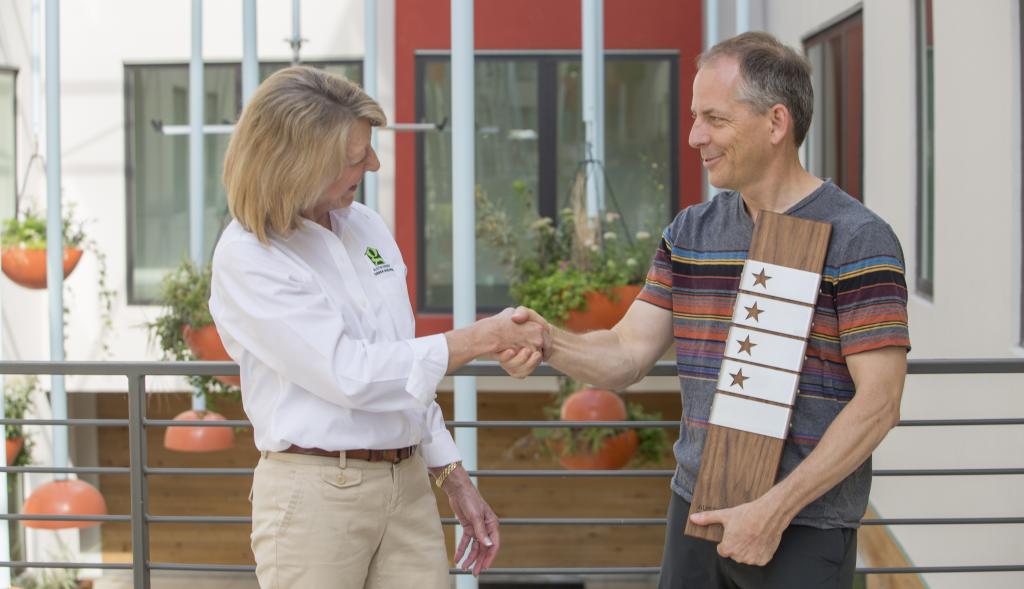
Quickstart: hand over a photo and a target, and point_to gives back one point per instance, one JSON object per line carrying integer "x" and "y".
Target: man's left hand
{"x": 751, "y": 532}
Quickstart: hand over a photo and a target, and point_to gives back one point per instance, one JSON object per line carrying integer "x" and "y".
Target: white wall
{"x": 976, "y": 308}
{"x": 97, "y": 39}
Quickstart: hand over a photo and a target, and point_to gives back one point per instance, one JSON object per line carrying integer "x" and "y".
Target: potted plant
{"x": 23, "y": 251}
{"x": 582, "y": 274}
{"x": 185, "y": 330}
{"x": 18, "y": 395}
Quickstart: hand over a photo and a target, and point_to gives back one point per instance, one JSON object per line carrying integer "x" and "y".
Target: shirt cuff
{"x": 429, "y": 364}
{"x": 440, "y": 450}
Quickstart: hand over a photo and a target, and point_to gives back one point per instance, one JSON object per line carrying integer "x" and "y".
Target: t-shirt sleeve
{"x": 657, "y": 288}
{"x": 871, "y": 292}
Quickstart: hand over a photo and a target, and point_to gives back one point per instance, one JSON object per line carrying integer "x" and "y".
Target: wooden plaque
{"x": 752, "y": 409}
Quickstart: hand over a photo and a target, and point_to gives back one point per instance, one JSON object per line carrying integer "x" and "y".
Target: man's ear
{"x": 781, "y": 123}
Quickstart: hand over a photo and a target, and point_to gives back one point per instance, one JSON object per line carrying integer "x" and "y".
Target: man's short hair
{"x": 772, "y": 73}
{"x": 290, "y": 144}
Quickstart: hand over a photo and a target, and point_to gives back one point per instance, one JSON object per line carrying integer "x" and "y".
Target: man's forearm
{"x": 598, "y": 358}
{"x": 847, "y": 443}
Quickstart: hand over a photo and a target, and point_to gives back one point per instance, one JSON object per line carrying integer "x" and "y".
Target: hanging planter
{"x": 196, "y": 438}
{"x": 205, "y": 344}
{"x": 64, "y": 497}
{"x": 27, "y": 266}
{"x": 602, "y": 311}
{"x": 14, "y": 446}
{"x": 596, "y": 449}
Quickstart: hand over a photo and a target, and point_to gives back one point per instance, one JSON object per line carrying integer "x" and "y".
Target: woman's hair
{"x": 289, "y": 144}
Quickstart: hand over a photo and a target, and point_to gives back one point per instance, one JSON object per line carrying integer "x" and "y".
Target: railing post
{"x": 139, "y": 486}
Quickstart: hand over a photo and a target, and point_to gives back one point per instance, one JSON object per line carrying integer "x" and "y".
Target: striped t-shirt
{"x": 862, "y": 305}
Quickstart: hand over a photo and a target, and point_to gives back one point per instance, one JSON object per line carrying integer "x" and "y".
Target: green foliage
{"x": 18, "y": 395}
{"x": 553, "y": 265}
{"x": 185, "y": 294}
{"x": 30, "y": 233}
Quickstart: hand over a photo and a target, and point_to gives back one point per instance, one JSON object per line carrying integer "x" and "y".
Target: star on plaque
{"x": 762, "y": 279}
{"x": 753, "y": 312}
{"x": 738, "y": 378}
{"x": 746, "y": 346}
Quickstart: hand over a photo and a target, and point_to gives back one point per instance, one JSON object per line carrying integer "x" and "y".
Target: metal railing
{"x": 138, "y": 471}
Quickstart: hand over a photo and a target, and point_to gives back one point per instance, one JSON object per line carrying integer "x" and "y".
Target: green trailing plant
{"x": 18, "y": 394}
{"x": 28, "y": 231}
{"x": 185, "y": 295}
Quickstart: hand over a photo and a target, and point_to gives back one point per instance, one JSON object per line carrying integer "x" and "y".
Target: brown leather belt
{"x": 394, "y": 456}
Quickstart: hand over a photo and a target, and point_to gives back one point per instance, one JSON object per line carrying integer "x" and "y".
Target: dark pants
{"x": 807, "y": 558}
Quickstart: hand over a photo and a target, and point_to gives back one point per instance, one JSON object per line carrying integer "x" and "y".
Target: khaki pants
{"x": 329, "y": 523}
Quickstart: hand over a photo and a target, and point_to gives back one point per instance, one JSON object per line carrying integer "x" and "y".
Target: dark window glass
{"x": 530, "y": 142}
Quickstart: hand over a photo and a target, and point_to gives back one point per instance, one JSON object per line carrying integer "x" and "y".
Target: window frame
{"x": 838, "y": 29}
{"x": 129, "y": 162}
{"x": 6, "y": 69}
{"x": 547, "y": 166}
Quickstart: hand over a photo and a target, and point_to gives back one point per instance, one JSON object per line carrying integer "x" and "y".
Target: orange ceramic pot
{"x": 591, "y": 404}
{"x": 602, "y": 311}
{"x": 196, "y": 438}
{"x": 27, "y": 267}
{"x": 64, "y": 497}
{"x": 206, "y": 344}
{"x": 13, "y": 449}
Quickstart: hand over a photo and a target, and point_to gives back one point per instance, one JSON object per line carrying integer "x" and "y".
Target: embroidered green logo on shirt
{"x": 374, "y": 256}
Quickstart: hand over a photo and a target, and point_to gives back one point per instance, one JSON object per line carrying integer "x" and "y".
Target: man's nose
{"x": 698, "y": 136}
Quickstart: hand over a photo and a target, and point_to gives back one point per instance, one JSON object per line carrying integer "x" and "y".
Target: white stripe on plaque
{"x": 757, "y": 381}
{"x": 776, "y": 351}
{"x": 780, "y": 281}
{"x": 750, "y": 416}
{"x": 772, "y": 315}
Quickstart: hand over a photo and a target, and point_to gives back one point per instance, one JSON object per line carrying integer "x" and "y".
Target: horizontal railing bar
{"x": 928, "y": 472}
{"x": 120, "y": 566}
{"x": 478, "y": 424}
{"x": 995, "y": 568}
{"x": 65, "y": 518}
{"x": 198, "y": 471}
{"x": 478, "y": 368}
{"x": 538, "y": 472}
{"x": 208, "y": 568}
{"x": 65, "y": 469}
{"x": 197, "y": 422}
{"x": 92, "y": 422}
{"x": 199, "y": 519}
{"x": 940, "y": 521}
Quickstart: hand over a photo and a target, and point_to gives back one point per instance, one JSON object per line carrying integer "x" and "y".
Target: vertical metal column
{"x": 139, "y": 485}
{"x": 593, "y": 102}
{"x": 464, "y": 224}
{"x": 742, "y": 16}
{"x": 370, "y": 187}
{"x": 55, "y": 233}
{"x": 250, "y": 59}
{"x": 196, "y": 169}
{"x": 296, "y": 40}
{"x": 710, "y": 39}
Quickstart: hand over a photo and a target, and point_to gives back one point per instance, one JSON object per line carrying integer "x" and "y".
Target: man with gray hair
{"x": 752, "y": 104}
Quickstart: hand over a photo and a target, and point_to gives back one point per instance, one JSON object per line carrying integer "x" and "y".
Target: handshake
{"x": 520, "y": 339}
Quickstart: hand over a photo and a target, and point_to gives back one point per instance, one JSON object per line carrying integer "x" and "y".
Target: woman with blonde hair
{"x": 309, "y": 295}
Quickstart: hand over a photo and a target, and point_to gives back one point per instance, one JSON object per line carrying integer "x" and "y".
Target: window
{"x": 925, "y": 150}
{"x": 157, "y": 164}
{"x": 8, "y": 159}
{"x": 835, "y": 139}
{"x": 530, "y": 142}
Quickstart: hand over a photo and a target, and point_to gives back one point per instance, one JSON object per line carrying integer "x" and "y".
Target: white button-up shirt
{"x": 324, "y": 335}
